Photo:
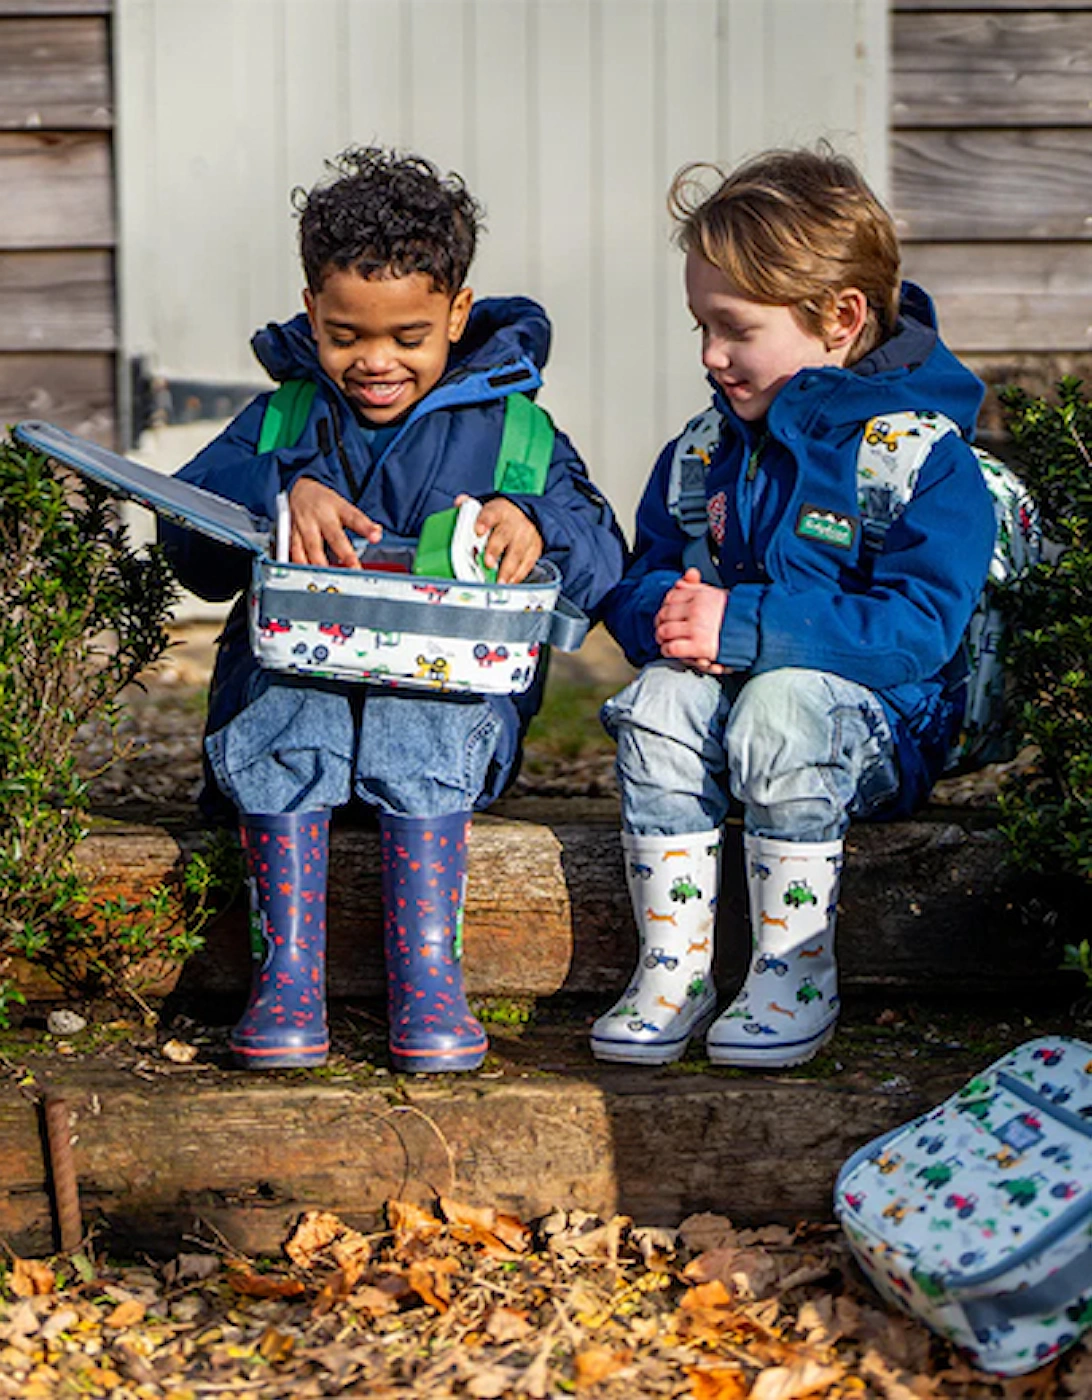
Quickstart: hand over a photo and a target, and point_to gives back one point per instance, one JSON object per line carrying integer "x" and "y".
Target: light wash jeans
{"x": 298, "y": 747}
{"x": 802, "y": 751}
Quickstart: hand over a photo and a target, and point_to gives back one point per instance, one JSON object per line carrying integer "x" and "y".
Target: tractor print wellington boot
{"x": 673, "y": 884}
{"x": 284, "y": 1025}
{"x": 788, "y": 1006}
{"x": 432, "y": 1029}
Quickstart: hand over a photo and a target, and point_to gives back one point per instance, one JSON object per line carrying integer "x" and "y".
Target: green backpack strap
{"x": 286, "y": 414}
{"x": 527, "y": 447}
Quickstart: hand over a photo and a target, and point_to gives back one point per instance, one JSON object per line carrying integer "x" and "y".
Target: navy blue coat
{"x": 447, "y": 444}
{"x": 892, "y": 623}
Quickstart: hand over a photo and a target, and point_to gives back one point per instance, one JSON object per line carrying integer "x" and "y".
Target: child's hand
{"x": 514, "y": 546}
{"x": 689, "y": 621}
{"x": 320, "y": 518}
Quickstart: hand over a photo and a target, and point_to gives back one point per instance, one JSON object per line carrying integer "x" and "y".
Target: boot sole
{"x": 772, "y": 1057}
{"x": 280, "y": 1059}
{"x": 437, "y": 1061}
{"x": 633, "y": 1052}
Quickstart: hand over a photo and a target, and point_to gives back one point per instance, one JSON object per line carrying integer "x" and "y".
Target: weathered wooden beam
{"x": 1017, "y": 68}
{"x": 55, "y": 73}
{"x": 75, "y": 391}
{"x": 160, "y": 1152}
{"x": 925, "y": 905}
{"x": 1008, "y": 296}
{"x": 58, "y": 190}
{"x": 57, "y": 301}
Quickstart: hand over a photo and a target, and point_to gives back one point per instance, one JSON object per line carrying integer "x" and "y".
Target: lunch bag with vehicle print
{"x": 976, "y": 1217}
{"x": 387, "y": 623}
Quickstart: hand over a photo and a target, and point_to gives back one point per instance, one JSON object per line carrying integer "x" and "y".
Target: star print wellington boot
{"x": 673, "y": 883}
{"x": 432, "y": 1029}
{"x": 284, "y": 1025}
{"x": 788, "y": 1006}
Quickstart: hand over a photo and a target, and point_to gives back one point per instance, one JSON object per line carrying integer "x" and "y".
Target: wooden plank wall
{"x": 992, "y": 179}
{"x": 58, "y": 319}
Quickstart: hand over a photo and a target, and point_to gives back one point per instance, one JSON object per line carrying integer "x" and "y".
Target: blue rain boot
{"x": 424, "y": 884}
{"x": 284, "y": 1025}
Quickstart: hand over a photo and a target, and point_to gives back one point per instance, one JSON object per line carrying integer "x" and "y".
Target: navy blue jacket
{"x": 892, "y": 622}
{"x": 447, "y": 444}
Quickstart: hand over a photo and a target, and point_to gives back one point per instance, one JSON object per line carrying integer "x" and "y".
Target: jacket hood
{"x": 500, "y": 331}
{"x": 912, "y": 370}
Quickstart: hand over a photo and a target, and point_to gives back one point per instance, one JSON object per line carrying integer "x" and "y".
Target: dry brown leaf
{"x": 276, "y": 1346}
{"x": 886, "y": 1378}
{"x": 599, "y": 1242}
{"x": 376, "y": 1302}
{"x": 29, "y": 1278}
{"x": 717, "y": 1383}
{"x": 749, "y": 1273}
{"x": 430, "y": 1279}
{"x": 707, "y": 1231}
{"x": 657, "y": 1245}
{"x": 794, "y": 1382}
{"x": 252, "y": 1285}
{"x": 491, "y": 1382}
{"x": 507, "y": 1324}
{"x": 596, "y": 1364}
{"x": 411, "y": 1222}
{"x": 899, "y": 1340}
{"x": 126, "y": 1314}
{"x": 1078, "y": 1378}
{"x": 319, "y": 1230}
{"x": 1037, "y": 1385}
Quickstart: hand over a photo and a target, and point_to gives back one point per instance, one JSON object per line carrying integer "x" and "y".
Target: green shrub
{"x": 82, "y": 614}
{"x": 1047, "y": 811}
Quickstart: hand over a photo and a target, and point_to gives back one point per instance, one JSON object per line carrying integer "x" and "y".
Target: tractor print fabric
{"x": 433, "y": 658}
{"x": 977, "y": 1217}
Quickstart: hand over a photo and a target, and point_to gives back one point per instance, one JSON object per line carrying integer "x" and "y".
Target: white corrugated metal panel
{"x": 567, "y": 117}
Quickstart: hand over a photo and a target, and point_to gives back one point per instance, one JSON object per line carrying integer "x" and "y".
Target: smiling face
{"x": 753, "y": 349}
{"x": 384, "y": 341}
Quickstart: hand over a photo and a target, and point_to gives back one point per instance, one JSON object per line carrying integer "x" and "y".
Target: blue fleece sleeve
{"x": 230, "y": 466}
{"x": 578, "y": 528}
{"x": 906, "y": 625}
{"x": 630, "y": 610}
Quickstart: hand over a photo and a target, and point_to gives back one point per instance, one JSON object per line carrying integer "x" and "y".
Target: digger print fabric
{"x": 977, "y": 1217}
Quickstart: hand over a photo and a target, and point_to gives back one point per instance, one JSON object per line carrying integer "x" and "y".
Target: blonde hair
{"x": 794, "y": 228}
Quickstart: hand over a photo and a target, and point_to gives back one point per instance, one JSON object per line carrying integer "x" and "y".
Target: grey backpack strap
{"x": 686, "y": 499}
{"x": 893, "y": 450}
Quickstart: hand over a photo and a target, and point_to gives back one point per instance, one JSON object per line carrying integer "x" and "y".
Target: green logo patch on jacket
{"x": 827, "y": 526}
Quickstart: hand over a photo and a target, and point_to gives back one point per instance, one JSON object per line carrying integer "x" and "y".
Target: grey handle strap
{"x": 1041, "y": 1299}
{"x": 564, "y": 627}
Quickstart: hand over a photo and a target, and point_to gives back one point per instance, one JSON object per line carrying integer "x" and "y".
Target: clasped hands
{"x": 689, "y": 622}
{"x": 321, "y": 519}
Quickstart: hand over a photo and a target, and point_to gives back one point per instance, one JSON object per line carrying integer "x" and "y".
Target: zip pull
{"x": 756, "y": 453}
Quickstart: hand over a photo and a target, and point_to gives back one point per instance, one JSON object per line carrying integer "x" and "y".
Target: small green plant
{"x": 82, "y": 614}
{"x": 1047, "y": 812}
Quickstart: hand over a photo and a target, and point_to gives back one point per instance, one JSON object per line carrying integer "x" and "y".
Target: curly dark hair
{"x": 384, "y": 212}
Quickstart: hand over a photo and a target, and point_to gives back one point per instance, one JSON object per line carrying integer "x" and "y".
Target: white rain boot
{"x": 788, "y": 1007}
{"x": 673, "y": 883}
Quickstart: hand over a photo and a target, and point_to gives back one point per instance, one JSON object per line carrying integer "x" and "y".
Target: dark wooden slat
{"x": 1006, "y": 69}
{"x": 54, "y": 73}
{"x": 74, "y": 391}
{"x": 1003, "y": 297}
{"x": 928, "y": 6}
{"x": 57, "y": 301}
{"x": 50, "y": 8}
{"x": 57, "y": 190}
{"x": 974, "y": 185}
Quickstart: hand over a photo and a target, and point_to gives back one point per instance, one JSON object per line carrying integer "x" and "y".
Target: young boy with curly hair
{"x": 411, "y": 376}
{"x": 793, "y": 656}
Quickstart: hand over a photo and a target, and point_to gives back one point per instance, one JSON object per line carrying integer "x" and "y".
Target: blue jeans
{"x": 296, "y": 747}
{"x": 802, "y": 751}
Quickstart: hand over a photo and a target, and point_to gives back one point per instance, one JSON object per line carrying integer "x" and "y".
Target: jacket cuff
{"x": 739, "y": 630}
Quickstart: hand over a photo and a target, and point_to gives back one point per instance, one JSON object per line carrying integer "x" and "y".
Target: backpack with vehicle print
{"x": 976, "y": 1217}
{"x": 893, "y": 449}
